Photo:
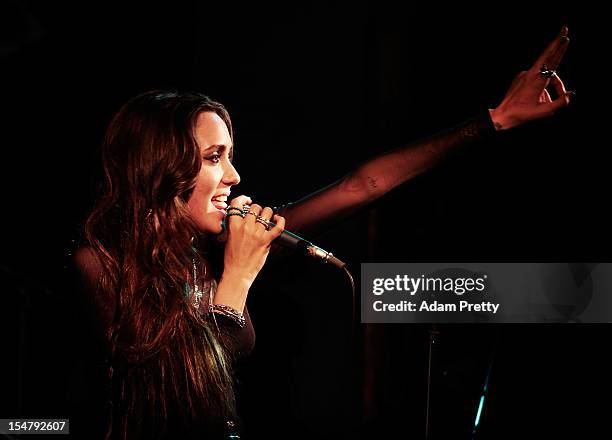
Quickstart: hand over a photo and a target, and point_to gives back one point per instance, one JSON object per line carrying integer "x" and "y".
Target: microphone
{"x": 293, "y": 241}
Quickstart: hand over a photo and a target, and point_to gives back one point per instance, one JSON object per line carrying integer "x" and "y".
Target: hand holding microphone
{"x": 249, "y": 236}
{"x": 284, "y": 238}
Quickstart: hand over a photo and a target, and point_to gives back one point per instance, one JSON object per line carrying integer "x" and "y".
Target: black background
{"x": 314, "y": 89}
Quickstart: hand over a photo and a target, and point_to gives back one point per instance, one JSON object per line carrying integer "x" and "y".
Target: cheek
{"x": 207, "y": 183}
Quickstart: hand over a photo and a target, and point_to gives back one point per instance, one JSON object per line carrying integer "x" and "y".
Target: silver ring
{"x": 546, "y": 72}
{"x": 264, "y": 222}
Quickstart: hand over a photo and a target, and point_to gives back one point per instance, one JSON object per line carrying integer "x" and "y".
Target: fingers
{"x": 237, "y": 202}
{"x": 278, "y": 229}
{"x": 563, "y": 97}
{"x": 240, "y": 201}
{"x": 251, "y": 215}
{"x": 256, "y": 212}
{"x": 553, "y": 54}
{"x": 551, "y": 108}
{"x": 257, "y": 219}
{"x": 267, "y": 213}
{"x": 545, "y": 97}
{"x": 263, "y": 226}
{"x": 558, "y": 85}
{"x": 528, "y": 98}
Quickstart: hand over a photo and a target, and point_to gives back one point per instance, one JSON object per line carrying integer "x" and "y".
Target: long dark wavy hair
{"x": 167, "y": 364}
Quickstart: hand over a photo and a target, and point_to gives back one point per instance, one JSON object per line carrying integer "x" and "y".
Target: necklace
{"x": 197, "y": 292}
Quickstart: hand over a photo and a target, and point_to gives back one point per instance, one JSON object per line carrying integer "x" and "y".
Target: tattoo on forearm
{"x": 372, "y": 182}
{"x": 469, "y": 131}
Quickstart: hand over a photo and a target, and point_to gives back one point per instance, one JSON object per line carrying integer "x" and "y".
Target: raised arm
{"x": 526, "y": 99}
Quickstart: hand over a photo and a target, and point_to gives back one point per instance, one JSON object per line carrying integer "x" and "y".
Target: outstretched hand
{"x": 528, "y": 98}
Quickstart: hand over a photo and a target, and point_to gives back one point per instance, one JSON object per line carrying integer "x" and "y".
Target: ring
{"x": 263, "y": 221}
{"x": 240, "y": 214}
{"x": 252, "y": 213}
{"x": 546, "y": 72}
{"x": 246, "y": 208}
{"x": 233, "y": 208}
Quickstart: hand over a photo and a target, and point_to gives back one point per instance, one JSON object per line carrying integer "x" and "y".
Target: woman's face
{"x": 217, "y": 175}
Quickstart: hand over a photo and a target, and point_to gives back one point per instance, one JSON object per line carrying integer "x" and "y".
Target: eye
{"x": 214, "y": 158}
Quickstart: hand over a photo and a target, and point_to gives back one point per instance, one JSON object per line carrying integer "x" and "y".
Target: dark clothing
{"x": 91, "y": 389}
{"x": 238, "y": 342}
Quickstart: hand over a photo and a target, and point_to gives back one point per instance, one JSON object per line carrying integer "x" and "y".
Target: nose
{"x": 230, "y": 175}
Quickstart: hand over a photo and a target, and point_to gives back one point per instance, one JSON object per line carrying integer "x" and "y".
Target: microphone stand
{"x": 433, "y": 335}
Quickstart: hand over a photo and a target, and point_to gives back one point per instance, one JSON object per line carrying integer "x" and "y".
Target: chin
{"x": 213, "y": 230}
{"x": 213, "y": 223}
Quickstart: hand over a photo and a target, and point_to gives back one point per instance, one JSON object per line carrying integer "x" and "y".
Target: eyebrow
{"x": 221, "y": 147}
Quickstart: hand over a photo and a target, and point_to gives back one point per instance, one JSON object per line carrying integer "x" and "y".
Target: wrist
{"x": 499, "y": 120}
{"x": 232, "y": 290}
{"x": 238, "y": 278}
{"x": 230, "y": 312}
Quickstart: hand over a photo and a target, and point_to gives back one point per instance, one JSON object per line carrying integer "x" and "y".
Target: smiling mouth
{"x": 220, "y": 203}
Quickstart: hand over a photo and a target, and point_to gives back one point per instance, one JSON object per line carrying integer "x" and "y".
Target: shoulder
{"x": 88, "y": 265}
{"x": 89, "y": 270}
